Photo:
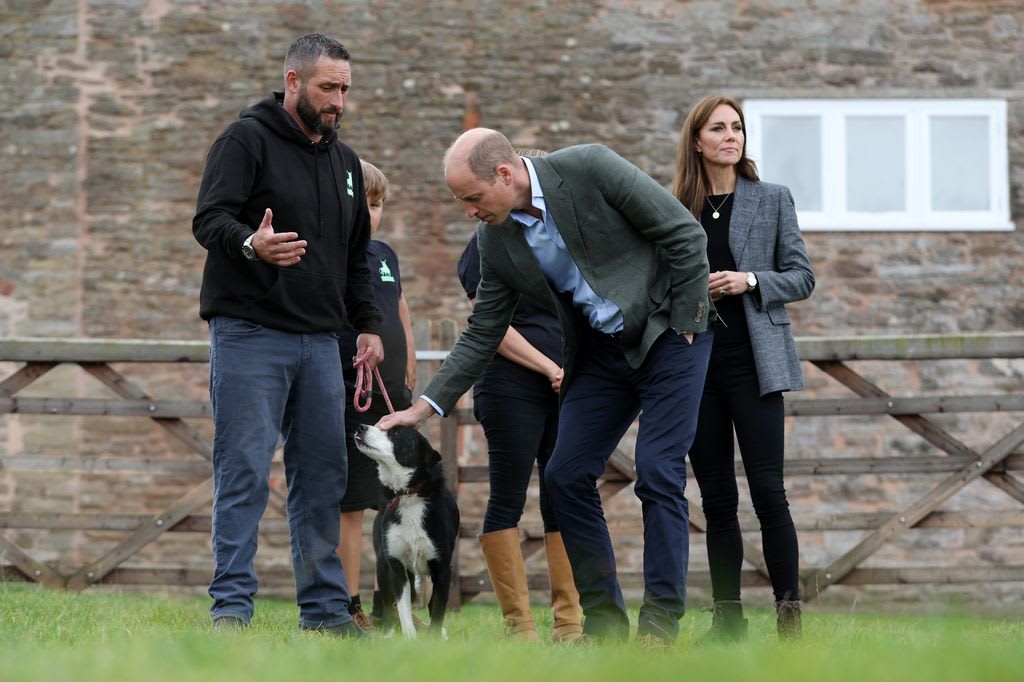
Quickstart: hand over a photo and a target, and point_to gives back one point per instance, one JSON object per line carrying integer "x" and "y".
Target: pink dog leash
{"x": 364, "y": 386}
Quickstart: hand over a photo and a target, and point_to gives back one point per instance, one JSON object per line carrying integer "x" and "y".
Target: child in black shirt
{"x": 398, "y": 371}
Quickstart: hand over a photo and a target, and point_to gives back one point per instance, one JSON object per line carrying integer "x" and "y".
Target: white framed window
{"x": 896, "y": 164}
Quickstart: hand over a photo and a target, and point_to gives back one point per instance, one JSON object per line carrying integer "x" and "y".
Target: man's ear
{"x": 292, "y": 81}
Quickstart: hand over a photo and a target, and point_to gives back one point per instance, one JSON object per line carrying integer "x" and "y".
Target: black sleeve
{"x": 469, "y": 267}
{"x": 231, "y": 170}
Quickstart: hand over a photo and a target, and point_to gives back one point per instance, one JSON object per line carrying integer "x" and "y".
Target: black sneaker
{"x": 649, "y": 642}
{"x": 347, "y": 630}
{"x": 227, "y": 623}
{"x": 583, "y": 641}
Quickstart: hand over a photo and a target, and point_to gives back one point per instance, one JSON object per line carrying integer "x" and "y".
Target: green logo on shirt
{"x": 351, "y": 190}
{"x": 385, "y": 272}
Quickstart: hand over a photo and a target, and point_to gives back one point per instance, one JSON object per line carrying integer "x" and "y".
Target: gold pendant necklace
{"x": 715, "y": 209}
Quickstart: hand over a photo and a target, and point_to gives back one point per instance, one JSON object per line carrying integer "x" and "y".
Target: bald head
{"x": 482, "y": 150}
{"x": 483, "y": 171}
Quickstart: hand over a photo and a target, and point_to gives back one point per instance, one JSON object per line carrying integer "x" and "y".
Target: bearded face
{"x": 321, "y": 120}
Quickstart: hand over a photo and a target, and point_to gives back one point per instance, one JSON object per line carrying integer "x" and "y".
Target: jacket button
{"x": 700, "y": 305}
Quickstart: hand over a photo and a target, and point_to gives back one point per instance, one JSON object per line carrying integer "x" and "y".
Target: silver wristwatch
{"x": 247, "y": 250}
{"x": 751, "y": 281}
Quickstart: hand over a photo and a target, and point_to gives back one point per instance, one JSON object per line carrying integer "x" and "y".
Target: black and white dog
{"x": 415, "y": 533}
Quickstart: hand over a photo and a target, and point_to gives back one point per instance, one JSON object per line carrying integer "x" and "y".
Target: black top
{"x": 264, "y": 161}
{"x": 387, "y": 289}
{"x": 536, "y": 323}
{"x": 732, "y": 319}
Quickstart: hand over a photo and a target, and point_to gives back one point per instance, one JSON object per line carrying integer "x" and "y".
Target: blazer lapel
{"x": 531, "y": 279}
{"x": 558, "y": 201}
{"x": 519, "y": 251}
{"x": 744, "y": 210}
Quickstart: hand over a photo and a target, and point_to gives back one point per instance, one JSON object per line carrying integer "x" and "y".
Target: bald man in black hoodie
{"x": 282, "y": 215}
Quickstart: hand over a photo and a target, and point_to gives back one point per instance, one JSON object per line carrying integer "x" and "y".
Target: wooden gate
{"x": 950, "y": 465}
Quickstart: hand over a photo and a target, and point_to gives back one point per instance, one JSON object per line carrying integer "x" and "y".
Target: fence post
{"x": 450, "y": 464}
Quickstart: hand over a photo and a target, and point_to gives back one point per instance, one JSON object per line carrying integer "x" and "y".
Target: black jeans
{"x": 519, "y": 432}
{"x": 732, "y": 398}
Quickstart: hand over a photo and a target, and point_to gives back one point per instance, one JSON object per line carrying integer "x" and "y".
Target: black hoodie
{"x": 263, "y": 161}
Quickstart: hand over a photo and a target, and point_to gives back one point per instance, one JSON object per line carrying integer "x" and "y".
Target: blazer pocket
{"x": 659, "y": 289}
{"x": 778, "y": 315}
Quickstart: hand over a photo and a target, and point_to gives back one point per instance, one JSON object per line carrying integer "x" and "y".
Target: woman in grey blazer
{"x": 758, "y": 264}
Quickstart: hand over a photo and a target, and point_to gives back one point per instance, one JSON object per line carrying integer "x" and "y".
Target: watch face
{"x": 248, "y": 252}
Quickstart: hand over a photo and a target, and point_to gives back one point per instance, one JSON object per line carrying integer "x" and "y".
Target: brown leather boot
{"x": 565, "y": 600}
{"x": 788, "y": 622}
{"x": 508, "y": 575}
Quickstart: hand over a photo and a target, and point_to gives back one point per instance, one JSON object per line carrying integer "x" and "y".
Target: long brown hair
{"x": 691, "y": 184}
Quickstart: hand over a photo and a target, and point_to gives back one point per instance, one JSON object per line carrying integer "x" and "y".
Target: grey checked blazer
{"x": 764, "y": 238}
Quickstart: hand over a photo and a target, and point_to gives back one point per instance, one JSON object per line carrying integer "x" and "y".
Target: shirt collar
{"x": 537, "y": 197}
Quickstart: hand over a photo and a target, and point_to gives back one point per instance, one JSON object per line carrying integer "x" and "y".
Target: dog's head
{"x": 402, "y": 454}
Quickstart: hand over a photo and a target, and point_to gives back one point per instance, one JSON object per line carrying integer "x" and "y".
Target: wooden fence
{"x": 949, "y": 466}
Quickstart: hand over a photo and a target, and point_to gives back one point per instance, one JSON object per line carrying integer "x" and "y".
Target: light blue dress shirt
{"x": 558, "y": 266}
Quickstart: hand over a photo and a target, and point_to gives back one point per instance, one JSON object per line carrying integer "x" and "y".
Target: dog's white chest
{"x": 408, "y": 540}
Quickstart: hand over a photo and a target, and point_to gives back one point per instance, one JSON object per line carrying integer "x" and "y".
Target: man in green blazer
{"x": 622, "y": 264}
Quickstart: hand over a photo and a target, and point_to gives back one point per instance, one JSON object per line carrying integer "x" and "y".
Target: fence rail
{"x": 954, "y": 463}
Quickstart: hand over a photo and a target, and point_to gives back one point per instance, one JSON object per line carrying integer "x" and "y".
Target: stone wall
{"x": 112, "y": 107}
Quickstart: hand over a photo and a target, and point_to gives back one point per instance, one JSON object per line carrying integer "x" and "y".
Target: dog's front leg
{"x": 405, "y": 611}
{"x": 441, "y": 577}
{"x": 391, "y": 579}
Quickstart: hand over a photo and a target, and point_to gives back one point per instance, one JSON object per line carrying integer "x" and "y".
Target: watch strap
{"x": 247, "y": 250}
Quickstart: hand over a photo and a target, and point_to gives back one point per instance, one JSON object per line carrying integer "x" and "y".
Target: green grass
{"x": 101, "y": 637}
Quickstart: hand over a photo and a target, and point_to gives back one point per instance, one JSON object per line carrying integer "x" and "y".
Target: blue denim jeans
{"x": 266, "y": 383}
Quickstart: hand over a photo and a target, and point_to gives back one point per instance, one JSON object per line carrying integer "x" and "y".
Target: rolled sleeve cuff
{"x": 434, "y": 405}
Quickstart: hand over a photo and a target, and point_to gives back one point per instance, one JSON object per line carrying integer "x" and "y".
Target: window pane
{"x": 792, "y": 157}
{"x": 876, "y": 166}
{"x": 959, "y": 146}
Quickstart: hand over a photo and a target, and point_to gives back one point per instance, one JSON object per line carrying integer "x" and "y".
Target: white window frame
{"x": 918, "y": 215}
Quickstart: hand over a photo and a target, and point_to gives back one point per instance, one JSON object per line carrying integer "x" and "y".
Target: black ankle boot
{"x": 727, "y": 624}
{"x": 788, "y": 620}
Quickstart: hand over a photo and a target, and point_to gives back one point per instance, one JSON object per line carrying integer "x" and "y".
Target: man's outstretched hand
{"x": 277, "y": 248}
{"x": 420, "y": 411}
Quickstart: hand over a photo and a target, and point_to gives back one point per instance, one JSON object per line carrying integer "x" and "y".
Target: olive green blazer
{"x": 634, "y": 243}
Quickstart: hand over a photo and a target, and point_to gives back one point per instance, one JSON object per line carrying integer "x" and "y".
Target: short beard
{"x": 311, "y": 118}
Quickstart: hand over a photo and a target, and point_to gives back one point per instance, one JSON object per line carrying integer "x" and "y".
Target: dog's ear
{"x": 433, "y": 457}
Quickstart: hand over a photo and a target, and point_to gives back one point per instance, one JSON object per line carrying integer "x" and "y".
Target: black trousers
{"x": 732, "y": 399}
{"x": 519, "y": 432}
